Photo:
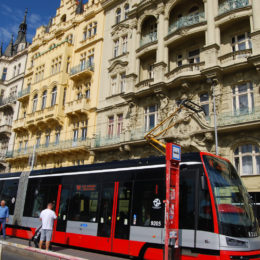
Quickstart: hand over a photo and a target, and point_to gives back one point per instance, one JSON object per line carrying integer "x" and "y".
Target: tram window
{"x": 187, "y": 199}
{"x": 84, "y": 203}
{"x": 148, "y": 207}
{"x": 8, "y": 193}
{"x": 205, "y": 220}
{"x": 38, "y": 196}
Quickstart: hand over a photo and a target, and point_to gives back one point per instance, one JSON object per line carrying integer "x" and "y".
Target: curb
{"x": 38, "y": 251}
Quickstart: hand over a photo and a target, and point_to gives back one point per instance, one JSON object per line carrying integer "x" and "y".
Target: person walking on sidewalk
{"x": 4, "y": 215}
{"x": 47, "y": 217}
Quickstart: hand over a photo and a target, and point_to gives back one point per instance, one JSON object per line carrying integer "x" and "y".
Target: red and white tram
{"x": 118, "y": 207}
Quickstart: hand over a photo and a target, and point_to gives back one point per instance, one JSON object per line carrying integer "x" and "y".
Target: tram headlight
{"x": 235, "y": 242}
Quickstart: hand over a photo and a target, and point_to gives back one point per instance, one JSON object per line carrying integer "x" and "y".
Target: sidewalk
{"x": 58, "y": 252}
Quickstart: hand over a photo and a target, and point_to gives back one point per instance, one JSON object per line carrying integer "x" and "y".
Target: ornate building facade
{"x": 59, "y": 97}
{"x": 12, "y": 69}
{"x": 161, "y": 52}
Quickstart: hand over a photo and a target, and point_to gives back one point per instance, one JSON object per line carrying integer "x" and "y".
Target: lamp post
{"x": 214, "y": 82}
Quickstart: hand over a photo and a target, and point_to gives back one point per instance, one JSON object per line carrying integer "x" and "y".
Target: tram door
{"x": 122, "y": 219}
{"x": 107, "y": 206}
{"x": 59, "y": 235}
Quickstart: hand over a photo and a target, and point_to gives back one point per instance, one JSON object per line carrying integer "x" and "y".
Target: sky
{"x": 12, "y": 13}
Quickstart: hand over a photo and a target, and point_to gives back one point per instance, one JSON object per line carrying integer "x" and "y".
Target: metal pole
{"x": 33, "y": 157}
{"x": 215, "y": 118}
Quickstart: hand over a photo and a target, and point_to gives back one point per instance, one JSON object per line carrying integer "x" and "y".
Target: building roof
{"x": 13, "y": 47}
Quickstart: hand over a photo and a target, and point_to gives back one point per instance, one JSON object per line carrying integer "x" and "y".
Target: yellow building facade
{"x": 57, "y": 114}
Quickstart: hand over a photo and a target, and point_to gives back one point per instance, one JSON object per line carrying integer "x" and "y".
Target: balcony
{"x": 55, "y": 147}
{"x": 23, "y": 94}
{"x": 82, "y": 71}
{"x": 2, "y": 156}
{"x": 230, "y": 5}
{"x": 5, "y": 129}
{"x": 186, "y": 70}
{"x": 187, "y": 21}
{"x": 7, "y": 103}
{"x": 235, "y": 56}
{"x": 19, "y": 125}
{"x": 227, "y": 119}
{"x": 144, "y": 83}
{"x": 80, "y": 106}
{"x": 149, "y": 38}
{"x": 107, "y": 141}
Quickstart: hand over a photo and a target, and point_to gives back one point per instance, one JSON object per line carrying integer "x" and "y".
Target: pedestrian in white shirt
{"x": 47, "y": 217}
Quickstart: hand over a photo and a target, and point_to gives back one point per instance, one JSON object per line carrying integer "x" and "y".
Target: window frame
{"x": 238, "y": 159}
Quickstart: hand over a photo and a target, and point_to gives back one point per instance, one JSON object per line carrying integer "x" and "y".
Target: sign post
{"x": 173, "y": 158}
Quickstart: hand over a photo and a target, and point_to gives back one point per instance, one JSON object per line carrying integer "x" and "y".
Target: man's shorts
{"x": 46, "y": 235}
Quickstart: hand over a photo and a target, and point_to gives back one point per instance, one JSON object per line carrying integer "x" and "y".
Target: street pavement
{"x": 58, "y": 249}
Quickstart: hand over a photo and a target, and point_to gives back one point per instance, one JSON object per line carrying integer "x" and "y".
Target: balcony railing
{"x": 236, "y": 55}
{"x": 55, "y": 147}
{"x": 8, "y": 100}
{"x": 24, "y": 92}
{"x": 82, "y": 67}
{"x": 105, "y": 141}
{"x": 230, "y": 5}
{"x": 186, "y": 68}
{"x": 239, "y": 117}
{"x": 186, "y": 21}
{"x": 5, "y": 128}
{"x": 151, "y": 37}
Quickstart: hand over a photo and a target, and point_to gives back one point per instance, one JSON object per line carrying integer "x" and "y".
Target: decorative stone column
{"x": 160, "y": 65}
{"x": 212, "y": 34}
{"x": 255, "y": 35}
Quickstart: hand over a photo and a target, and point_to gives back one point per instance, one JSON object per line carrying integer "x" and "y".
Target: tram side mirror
{"x": 204, "y": 185}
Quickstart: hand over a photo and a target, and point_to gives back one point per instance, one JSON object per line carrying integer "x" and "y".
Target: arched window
{"x": 149, "y": 30}
{"x": 70, "y": 38}
{"x": 18, "y": 69}
{"x": 14, "y": 71}
{"x": 126, "y": 10}
{"x": 204, "y": 102}
{"x": 85, "y": 33}
{"x": 53, "y": 96}
{"x": 118, "y": 15}
{"x": 63, "y": 18}
{"x": 44, "y": 98}
{"x": 247, "y": 159}
{"x": 35, "y": 100}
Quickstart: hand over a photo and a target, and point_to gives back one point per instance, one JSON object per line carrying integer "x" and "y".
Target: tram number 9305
{"x": 156, "y": 223}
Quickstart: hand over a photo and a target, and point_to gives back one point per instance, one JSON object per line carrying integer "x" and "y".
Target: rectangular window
{"x": 4, "y": 74}
{"x": 113, "y": 85}
{"x": 75, "y": 135}
{"x": 151, "y": 71}
{"x": 194, "y": 56}
{"x": 47, "y": 140}
{"x": 84, "y": 203}
{"x": 116, "y": 48}
{"x": 241, "y": 42}
{"x": 243, "y": 99}
{"x": 25, "y": 146}
{"x": 179, "y": 60}
{"x": 204, "y": 102}
{"x": 122, "y": 82}
{"x": 110, "y": 127}
{"x": 124, "y": 47}
{"x": 119, "y": 124}
{"x": 84, "y": 133}
{"x": 38, "y": 141}
{"x": 91, "y": 60}
{"x": 57, "y": 138}
{"x": 150, "y": 117}
{"x": 20, "y": 146}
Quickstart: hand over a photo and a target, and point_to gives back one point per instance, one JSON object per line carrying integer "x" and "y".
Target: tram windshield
{"x": 235, "y": 211}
